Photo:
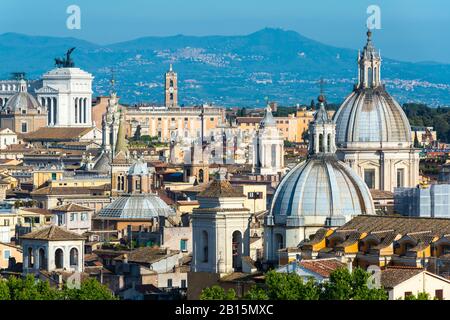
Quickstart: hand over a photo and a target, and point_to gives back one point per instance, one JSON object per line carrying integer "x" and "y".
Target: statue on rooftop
{"x": 66, "y": 62}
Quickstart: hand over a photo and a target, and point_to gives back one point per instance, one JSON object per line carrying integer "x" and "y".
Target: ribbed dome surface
{"x": 322, "y": 186}
{"x": 22, "y": 101}
{"x": 136, "y": 206}
{"x": 371, "y": 115}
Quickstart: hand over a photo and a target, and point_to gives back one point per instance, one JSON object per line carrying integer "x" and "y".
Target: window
{"x": 408, "y": 294}
{"x": 439, "y": 294}
{"x": 183, "y": 284}
{"x": 84, "y": 216}
{"x": 400, "y": 178}
{"x": 205, "y": 246}
{"x": 73, "y": 217}
{"x": 7, "y": 254}
{"x": 24, "y": 127}
{"x": 53, "y": 175}
{"x": 60, "y": 220}
{"x": 369, "y": 178}
{"x": 169, "y": 283}
{"x": 6, "y": 222}
{"x": 74, "y": 257}
{"x": 183, "y": 245}
{"x": 255, "y": 195}
{"x": 321, "y": 143}
{"x": 138, "y": 185}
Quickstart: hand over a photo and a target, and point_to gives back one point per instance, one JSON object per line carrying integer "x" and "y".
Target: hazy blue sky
{"x": 414, "y": 30}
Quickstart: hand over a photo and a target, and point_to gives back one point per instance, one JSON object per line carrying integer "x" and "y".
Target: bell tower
{"x": 171, "y": 89}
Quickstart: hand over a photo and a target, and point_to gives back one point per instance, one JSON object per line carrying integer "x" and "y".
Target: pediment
{"x": 46, "y": 89}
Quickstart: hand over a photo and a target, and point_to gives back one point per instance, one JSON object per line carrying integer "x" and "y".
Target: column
{"x": 76, "y": 110}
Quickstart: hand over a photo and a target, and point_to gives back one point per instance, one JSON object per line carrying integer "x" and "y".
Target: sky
{"x": 411, "y": 30}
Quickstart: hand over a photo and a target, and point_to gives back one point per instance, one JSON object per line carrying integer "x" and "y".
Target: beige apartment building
{"x": 162, "y": 121}
{"x": 291, "y": 127}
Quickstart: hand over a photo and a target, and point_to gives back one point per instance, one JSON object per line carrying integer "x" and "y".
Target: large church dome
{"x": 322, "y": 190}
{"x": 369, "y": 116}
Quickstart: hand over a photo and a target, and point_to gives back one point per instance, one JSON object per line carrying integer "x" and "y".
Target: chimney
{"x": 350, "y": 265}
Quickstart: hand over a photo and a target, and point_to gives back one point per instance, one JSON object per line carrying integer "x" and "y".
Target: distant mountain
{"x": 227, "y": 70}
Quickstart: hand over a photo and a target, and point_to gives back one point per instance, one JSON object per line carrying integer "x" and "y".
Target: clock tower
{"x": 171, "y": 89}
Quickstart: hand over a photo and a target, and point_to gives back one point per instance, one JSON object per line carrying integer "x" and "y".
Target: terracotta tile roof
{"x": 248, "y": 119}
{"x": 54, "y": 233}
{"x": 66, "y": 190}
{"x": 398, "y": 224}
{"x": 385, "y": 239}
{"x": 187, "y": 203}
{"x": 56, "y": 134}
{"x": 322, "y": 267}
{"x": 38, "y": 211}
{"x": 220, "y": 189}
{"x": 381, "y": 194}
{"x": 198, "y": 188}
{"x": 393, "y": 276}
{"x": 72, "y": 207}
{"x": 317, "y": 237}
{"x": 147, "y": 255}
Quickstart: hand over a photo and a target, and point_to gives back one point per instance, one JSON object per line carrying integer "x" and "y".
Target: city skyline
{"x": 417, "y": 27}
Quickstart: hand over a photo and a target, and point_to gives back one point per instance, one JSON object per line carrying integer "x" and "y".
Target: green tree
{"x": 4, "y": 290}
{"x": 90, "y": 289}
{"x": 256, "y": 293}
{"x": 217, "y": 293}
{"x": 30, "y": 288}
{"x": 346, "y": 285}
{"x": 290, "y": 286}
{"x": 420, "y": 296}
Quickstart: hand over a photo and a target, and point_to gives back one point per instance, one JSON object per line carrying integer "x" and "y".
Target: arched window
{"x": 329, "y": 142}
{"x": 205, "y": 250}
{"x": 200, "y": 176}
{"x": 59, "y": 259}
{"x": 237, "y": 250}
{"x": 370, "y": 76}
{"x": 278, "y": 242}
{"x": 119, "y": 183}
{"x": 73, "y": 257}
{"x": 42, "y": 259}
{"x": 122, "y": 178}
{"x": 171, "y": 82}
{"x": 321, "y": 143}
{"x": 30, "y": 258}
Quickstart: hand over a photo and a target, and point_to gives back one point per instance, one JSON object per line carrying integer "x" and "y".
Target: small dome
{"x": 322, "y": 188}
{"x": 136, "y": 206}
{"x": 371, "y": 115}
{"x": 138, "y": 168}
{"x": 22, "y": 101}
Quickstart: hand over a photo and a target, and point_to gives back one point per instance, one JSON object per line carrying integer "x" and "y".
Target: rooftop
{"x": 220, "y": 189}
{"x": 52, "y": 233}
